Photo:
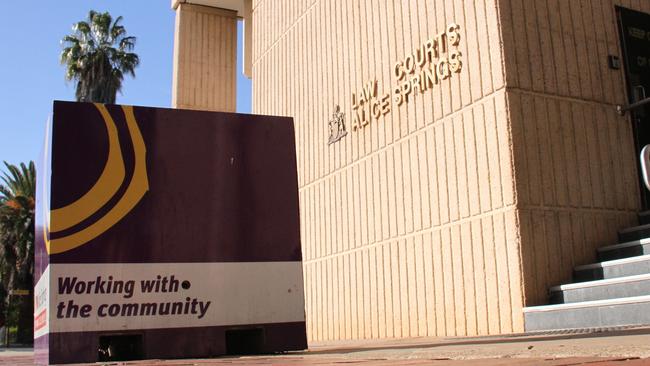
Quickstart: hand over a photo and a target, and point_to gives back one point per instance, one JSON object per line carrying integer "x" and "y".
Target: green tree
{"x": 97, "y": 56}
{"x": 17, "y": 202}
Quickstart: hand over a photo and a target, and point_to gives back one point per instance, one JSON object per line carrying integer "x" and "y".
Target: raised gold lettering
{"x": 441, "y": 42}
{"x": 415, "y": 84}
{"x": 453, "y": 34}
{"x": 385, "y": 104}
{"x": 420, "y": 56}
{"x": 434, "y": 60}
{"x": 360, "y": 119}
{"x": 429, "y": 77}
{"x": 399, "y": 70}
{"x": 355, "y": 104}
{"x": 376, "y": 111}
{"x": 442, "y": 69}
{"x": 373, "y": 88}
{"x": 364, "y": 118}
{"x": 409, "y": 64}
{"x": 397, "y": 97}
{"x": 355, "y": 121}
{"x": 430, "y": 50}
{"x": 405, "y": 89}
{"x": 455, "y": 62}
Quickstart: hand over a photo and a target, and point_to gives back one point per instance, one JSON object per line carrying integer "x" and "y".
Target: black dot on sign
{"x": 185, "y": 285}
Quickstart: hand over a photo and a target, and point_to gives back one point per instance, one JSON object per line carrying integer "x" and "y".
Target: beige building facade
{"x": 455, "y": 158}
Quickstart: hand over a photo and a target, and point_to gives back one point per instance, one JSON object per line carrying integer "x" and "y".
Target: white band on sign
{"x": 645, "y": 165}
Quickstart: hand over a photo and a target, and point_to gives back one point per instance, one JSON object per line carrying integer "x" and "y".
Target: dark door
{"x": 634, "y": 28}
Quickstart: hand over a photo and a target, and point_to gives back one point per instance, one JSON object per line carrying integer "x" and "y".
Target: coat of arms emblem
{"x": 336, "y": 126}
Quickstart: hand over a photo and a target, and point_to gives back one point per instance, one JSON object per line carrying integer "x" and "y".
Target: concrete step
{"x": 589, "y": 314}
{"x": 611, "y": 288}
{"x": 634, "y": 233}
{"x": 624, "y": 250}
{"x": 644, "y": 217}
{"x": 612, "y": 269}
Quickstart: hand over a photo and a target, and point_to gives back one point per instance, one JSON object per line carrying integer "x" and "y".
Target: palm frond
{"x": 117, "y": 30}
{"x": 81, "y": 28}
{"x": 97, "y": 55}
{"x": 127, "y": 43}
{"x": 17, "y": 225}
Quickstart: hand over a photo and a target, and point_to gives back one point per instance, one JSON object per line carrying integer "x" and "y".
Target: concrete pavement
{"x": 621, "y": 347}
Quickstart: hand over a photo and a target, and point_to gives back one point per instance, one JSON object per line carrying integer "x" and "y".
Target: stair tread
{"x": 616, "y": 290}
{"x": 614, "y": 262}
{"x": 625, "y": 245}
{"x": 635, "y": 228}
{"x": 603, "y": 282}
{"x": 586, "y": 304}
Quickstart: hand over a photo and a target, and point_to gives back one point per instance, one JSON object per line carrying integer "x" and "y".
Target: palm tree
{"x": 93, "y": 61}
{"x": 17, "y": 204}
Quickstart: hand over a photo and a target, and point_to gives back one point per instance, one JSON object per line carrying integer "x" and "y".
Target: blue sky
{"x": 31, "y": 76}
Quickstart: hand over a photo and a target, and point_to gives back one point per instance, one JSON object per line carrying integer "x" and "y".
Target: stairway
{"x": 610, "y": 293}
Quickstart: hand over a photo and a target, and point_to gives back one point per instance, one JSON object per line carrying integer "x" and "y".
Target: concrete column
{"x": 205, "y": 56}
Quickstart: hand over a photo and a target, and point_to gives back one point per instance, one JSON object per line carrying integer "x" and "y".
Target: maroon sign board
{"x": 166, "y": 233}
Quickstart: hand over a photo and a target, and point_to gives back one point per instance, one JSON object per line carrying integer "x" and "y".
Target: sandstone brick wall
{"x": 453, "y": 211}
{"x": 205, "y": 54}
{"x": 409, "y": 225}
{"x": 574, "y": 156}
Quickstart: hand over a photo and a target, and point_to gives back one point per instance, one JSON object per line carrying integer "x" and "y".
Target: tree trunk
{"x": 25, "y": 333}
{"x": 24, "y": 306}
{"x": 3, "y": 306}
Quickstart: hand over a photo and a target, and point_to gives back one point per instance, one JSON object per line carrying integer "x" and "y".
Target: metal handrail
{"x": 622, "y": 109}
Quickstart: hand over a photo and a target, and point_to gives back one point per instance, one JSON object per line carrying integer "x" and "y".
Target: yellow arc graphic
{"x": 106, "y": 186}
{"x": 138, "y": 186}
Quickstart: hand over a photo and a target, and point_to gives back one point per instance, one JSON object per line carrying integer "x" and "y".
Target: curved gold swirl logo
{"x": 102, "y": 191}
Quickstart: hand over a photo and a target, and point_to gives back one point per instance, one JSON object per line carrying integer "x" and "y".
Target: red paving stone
{"x": 24, "y": 360}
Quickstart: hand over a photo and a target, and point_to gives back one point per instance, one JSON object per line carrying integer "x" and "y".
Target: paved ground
{"x": 289, "y": 361}
{"x": 627, "y": 347}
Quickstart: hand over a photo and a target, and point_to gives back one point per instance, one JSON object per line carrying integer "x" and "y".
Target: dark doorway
{"x": 634, "y": 28}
